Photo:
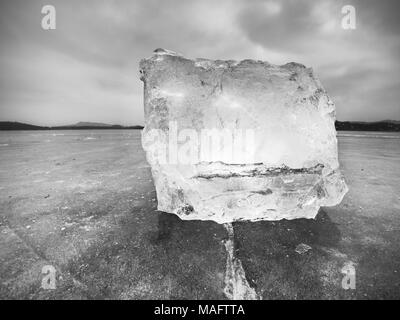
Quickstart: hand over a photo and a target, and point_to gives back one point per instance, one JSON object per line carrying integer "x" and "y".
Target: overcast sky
{"x": 87, "y": 69}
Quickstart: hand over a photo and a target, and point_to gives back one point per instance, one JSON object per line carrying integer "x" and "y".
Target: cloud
{"x": 87, "y": 69}
{"x": 358, "y": 67}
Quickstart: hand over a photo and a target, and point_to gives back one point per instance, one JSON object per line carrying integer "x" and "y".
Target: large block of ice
{"x": 244, "y": 140}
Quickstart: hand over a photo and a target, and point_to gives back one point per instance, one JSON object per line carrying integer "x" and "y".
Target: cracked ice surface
{"x": 246, "y": 140}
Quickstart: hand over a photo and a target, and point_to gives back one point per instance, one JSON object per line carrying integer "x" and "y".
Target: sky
{"x": 87, "y": 68}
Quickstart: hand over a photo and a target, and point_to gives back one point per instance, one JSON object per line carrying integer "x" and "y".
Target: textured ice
{"x": 246, "y": 140}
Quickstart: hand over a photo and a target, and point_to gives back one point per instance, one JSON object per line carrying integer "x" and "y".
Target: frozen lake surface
{"x": 84, "y": 202}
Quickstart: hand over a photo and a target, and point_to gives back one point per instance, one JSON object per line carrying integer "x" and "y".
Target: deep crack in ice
{"x": 236, "y": 285}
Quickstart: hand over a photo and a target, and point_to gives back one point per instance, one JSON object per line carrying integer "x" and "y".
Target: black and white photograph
{"x": 199, "y": 150}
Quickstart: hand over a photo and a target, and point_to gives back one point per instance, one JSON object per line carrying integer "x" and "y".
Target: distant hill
{"x": 7, "y": 125}
{"x": 391, "y": 121}
{"x": 91, "y": 124}
{"x": 385, "y": 125}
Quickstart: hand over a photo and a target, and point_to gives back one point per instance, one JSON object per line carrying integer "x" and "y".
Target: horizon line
{"x": 131, "y": 125}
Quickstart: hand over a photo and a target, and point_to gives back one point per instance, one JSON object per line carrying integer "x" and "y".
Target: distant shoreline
{"x": 73, "y": 128}
{"x": 385, "y": 126}
{"x": 13, "y": 126}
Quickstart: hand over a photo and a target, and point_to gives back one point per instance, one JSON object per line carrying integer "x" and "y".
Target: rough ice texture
{"x": 291, "y": 167}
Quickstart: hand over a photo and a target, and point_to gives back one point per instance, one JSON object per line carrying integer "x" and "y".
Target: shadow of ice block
{"x": 246, "y": 140}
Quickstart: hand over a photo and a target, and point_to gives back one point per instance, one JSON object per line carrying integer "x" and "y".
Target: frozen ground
{"x": 84, "y": 202}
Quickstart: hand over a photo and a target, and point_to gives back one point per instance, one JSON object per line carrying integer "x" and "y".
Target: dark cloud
{"x": 286, "y": 24}
{"x": 383, "y": 15}
{"x": 86, "y": 69}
